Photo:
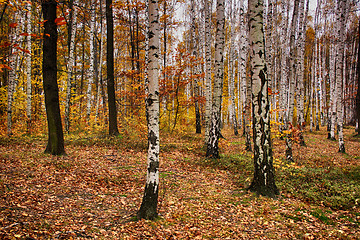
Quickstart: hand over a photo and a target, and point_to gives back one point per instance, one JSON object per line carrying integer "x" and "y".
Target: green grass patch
{"x": 335, "y": 188}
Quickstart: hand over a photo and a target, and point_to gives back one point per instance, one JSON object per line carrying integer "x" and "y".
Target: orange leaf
{"x": 24, "y": 34}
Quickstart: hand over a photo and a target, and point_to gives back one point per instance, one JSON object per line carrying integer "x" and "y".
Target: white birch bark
{"x": 333, "y": 96}
{"x": 301, "y": 57}
{"x": 70, "y": 67}
{"x": 208, "y": 92}
{"x": 148, "y": 209}
{"x": 11, "y": 80}
{"x": 264, "y": 180}
{"x": 92, "y": 60}
{"x": 213, "y": 144}
{"x": 101, "y": 50}
{"x": 28, "y": 66}
{"x": 231, "y": 75}
{"x": 341, "y": 16}
{"x": 292, "y": 79}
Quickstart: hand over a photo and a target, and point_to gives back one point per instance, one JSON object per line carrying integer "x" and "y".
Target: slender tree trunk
{"x": 148, "y": 209}
{"x": 55, "y": 145}
{"x": 11, "y": 83}
{"x": 263, "y": 182}
{"x": 214, "y": 135}
{"x": 231, "y": 74}
{"x": 113, "y": 129}
{"x": 194, "y": 68}
{"x": 292, "y": 80}
{"x": 92, "y": 61}
{"x": 28, "y": 68}
{"x": 342, "y": 8}
{"x": 100, "y": 75}
{"x": 71, "y": 63}
{"x": 208, "y": 92}
{"x": 357, "y": 106}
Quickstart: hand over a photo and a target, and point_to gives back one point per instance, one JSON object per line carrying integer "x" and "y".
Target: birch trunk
{"x": 292, "y": 80}
{"x": 357, "y": 104}
{"x": 300, "y": 69}
{"x": 71, "y": 63}
{"x": 92, "y": 61}
{"x": 231, "y": 77}
{"x": 11, "y": 81}
{"x": 148, "y": 209}
{"x": 28, "y": 68}
{"x": 263, "y": 182}
{"x": 208, "y": 92}
{"x": 342, "y": 7}
{"x": 214, "y": 135}
{"x": 194, "y": 69}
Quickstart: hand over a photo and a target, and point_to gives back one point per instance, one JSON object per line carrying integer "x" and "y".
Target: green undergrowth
{"x": 336, "y": 188}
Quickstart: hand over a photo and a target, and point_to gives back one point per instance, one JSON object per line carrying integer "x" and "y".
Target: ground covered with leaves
{"x": 95, "y": 190}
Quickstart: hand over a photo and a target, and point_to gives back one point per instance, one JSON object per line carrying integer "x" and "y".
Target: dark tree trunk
{"x": 113, "y": 129}
{"x": 55, "y": 144}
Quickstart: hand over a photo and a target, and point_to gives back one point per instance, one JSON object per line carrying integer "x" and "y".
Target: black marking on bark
{"x": 153, "y": 166}
{"x": 152, "y": 138}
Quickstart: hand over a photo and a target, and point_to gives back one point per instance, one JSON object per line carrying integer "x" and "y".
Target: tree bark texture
{"x": 113, "y": 129}
{"x": 208, "y": 93}
{"x": 148, "y": 208}
{"x": 55, "y": 145}
{"x": 214, "y": 134}
{"x": 71, "y": 63}
{"x": 263, "y": 182}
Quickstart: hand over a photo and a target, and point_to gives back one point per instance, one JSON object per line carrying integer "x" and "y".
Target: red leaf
{"x": 59, "y": 19}
{"x": 13, "y": 25}
{"x": 24, "y": 34}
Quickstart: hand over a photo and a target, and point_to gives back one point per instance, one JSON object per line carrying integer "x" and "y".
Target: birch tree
{"x": 341, "y": 16}
{"x": 231, "y": 70}
{"x": 263, "y": 182}
{"x": 292, "y": 80}
{"x": 92, "y": 60}
{"x": 208, "y": 93}
{"x": 214, "y": 134}
{"x": 357, "y": 104}
{"x": 148, "y": 208}
{"x": 11, "y": 82}
{"x": 55, "y": 145}
{"x": 71, "y": 63}
{"x": 28, "y": 66}
{"x": 194, "y": 69}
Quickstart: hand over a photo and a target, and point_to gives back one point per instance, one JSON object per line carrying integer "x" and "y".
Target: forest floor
{"x": 95, "y": 190}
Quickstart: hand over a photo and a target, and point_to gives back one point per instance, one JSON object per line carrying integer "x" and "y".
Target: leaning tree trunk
{"x": 148, "y": 209}
{"x": 55, "y": 145}
{"x": 214, "y": 135}
{"x": 263, "y": 182}
{"x": 113, "y": 129}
